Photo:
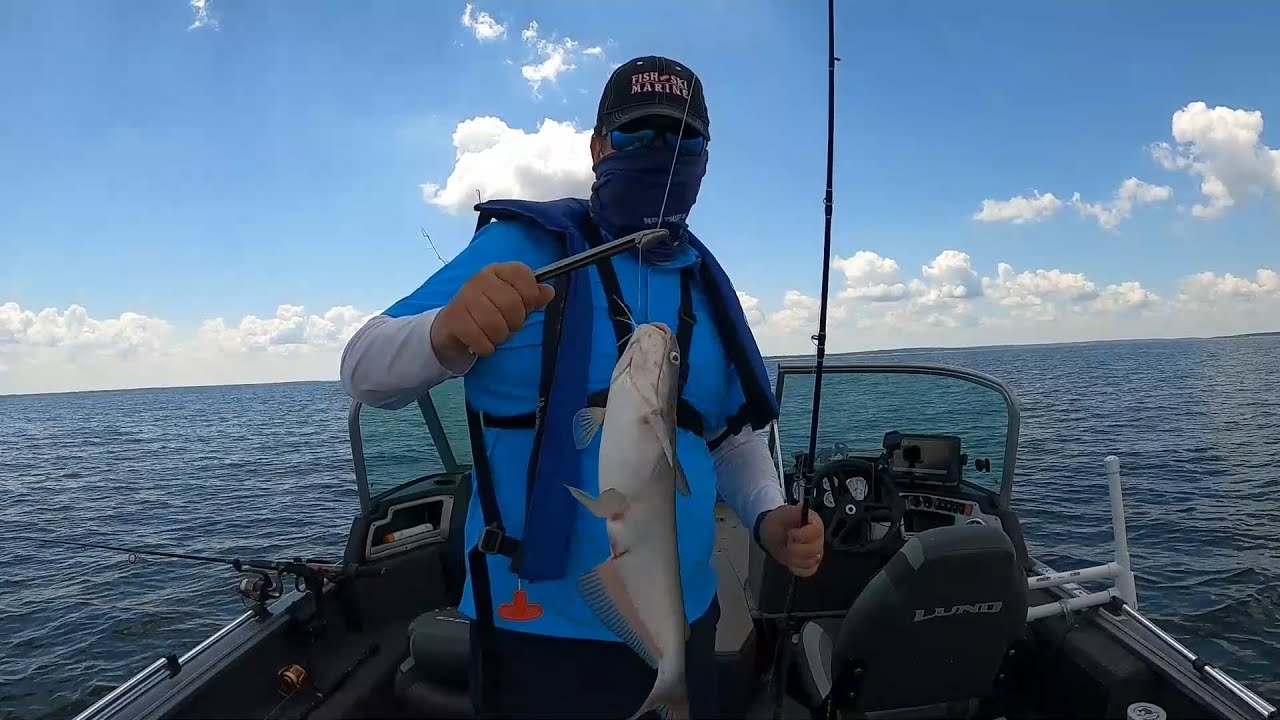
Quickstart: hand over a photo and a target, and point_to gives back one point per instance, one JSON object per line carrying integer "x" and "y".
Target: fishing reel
{"x": 260, "y": 590}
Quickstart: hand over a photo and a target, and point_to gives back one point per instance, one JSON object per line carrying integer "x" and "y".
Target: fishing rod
{"x": 782, "y": 649}
{"x": 307, "y": 573}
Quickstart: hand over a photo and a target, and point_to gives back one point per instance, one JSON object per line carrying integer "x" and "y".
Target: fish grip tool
{"x": 605, "y": 250}
{"x": 782, "y": 651}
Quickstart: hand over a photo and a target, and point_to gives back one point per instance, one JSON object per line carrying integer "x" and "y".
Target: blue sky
{"x": 273, "y": 154}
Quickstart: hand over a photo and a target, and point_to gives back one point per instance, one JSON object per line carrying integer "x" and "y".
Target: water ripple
{"x": 266, "y": 471}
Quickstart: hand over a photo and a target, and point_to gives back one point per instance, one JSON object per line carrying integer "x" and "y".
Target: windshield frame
{"x": 438, "y": 437}
{"x": 1012, "y": 405}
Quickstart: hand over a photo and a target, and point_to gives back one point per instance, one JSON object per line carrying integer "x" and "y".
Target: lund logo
{"x": 988, "y": 607}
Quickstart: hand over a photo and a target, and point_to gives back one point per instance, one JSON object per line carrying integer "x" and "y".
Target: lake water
{"x": 266, "y": 471}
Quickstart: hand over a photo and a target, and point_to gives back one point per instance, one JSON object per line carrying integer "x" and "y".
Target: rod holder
{"x": 1110, "y": 571}
{"x": 1071, "y": 604}
{"x": 1124, "y": 580}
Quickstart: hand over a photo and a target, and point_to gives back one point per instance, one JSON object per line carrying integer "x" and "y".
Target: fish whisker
{"x": 627, "y": 318}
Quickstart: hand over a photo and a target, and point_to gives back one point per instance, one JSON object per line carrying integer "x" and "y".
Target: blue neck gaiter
{"x": 629, "y": 189}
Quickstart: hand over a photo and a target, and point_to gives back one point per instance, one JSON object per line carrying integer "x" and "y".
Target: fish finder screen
{"x": 928, "y": 458}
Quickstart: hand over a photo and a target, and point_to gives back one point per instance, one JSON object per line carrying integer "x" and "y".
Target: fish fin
{"x": 668, "y": 443}
{"x": 665, "y": 440}
{"x": 669, "y": 698}
{"x": 611, "y": 502}
{"x": 586, "y": 423}
{"x": 682, "y": 482}
{"x": 674, "y": 710}
{"x": 606, "y": 594}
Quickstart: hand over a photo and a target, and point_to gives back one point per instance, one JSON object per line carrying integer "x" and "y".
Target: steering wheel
{"x": 853, "y": 517}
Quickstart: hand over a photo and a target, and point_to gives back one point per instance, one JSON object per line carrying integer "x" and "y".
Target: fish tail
{"x": 669, "y": 698}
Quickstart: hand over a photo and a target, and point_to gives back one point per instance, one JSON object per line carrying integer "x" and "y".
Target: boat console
{"x": 872, "y": 504}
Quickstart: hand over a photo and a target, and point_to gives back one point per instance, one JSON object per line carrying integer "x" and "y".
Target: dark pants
{"x": 541, "y": 676}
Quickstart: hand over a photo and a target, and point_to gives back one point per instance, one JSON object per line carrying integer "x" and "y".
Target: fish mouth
{"x": 661, "y": 328}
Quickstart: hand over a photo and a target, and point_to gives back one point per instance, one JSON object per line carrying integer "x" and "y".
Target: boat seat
{"x": 434, "y": 679}
{"x": 930, "y": 634}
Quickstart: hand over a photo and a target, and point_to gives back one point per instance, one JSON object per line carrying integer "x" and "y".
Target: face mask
{"x": 629, "y": 189}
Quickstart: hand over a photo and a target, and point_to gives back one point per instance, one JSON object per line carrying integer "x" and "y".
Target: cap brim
{"x": 614, "y": 119}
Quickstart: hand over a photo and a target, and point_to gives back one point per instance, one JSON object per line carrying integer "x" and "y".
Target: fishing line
{"x": 666, "y": 192}
{"x": 662, "y": 209}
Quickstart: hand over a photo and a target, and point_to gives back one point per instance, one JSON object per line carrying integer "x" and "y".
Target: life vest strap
{"x": 688, "y": 417}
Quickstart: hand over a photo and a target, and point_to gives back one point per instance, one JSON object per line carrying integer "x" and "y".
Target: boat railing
{"x": 1119, "y": 570}
{"x": 439, "y": 439}
{"x": 165, "y": 668}
{"x": 1124, "y": 594}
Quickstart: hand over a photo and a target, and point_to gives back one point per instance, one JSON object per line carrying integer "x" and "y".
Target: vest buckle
{"x": 492, "y": 539}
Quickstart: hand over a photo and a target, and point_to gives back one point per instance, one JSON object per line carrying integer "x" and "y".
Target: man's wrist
{"x": 452, "y": 356}
{"x": 759, "y": 523}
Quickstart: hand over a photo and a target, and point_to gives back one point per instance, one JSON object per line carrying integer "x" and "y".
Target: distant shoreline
{"x": 768, "y": 358}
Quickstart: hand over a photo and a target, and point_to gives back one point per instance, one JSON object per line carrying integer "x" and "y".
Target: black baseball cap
{"x": 653, "y": 85}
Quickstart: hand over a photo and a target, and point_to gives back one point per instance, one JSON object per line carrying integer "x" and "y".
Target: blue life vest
{"x": 548, "y": 536}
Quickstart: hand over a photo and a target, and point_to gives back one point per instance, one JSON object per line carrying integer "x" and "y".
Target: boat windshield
{"x": 400, "y": 446}
{"x": 862, "y": 402}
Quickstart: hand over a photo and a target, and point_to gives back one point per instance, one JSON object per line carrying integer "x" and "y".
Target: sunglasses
{"x": 633, "y": 138}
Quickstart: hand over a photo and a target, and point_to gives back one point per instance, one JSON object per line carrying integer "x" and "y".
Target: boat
{"x": 926, "y": 604}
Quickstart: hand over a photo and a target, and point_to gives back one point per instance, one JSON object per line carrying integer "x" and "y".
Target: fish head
{"x": 651, "y": 363}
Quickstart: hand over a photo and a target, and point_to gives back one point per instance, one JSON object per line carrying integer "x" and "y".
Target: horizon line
{"x": 767, "y": 358}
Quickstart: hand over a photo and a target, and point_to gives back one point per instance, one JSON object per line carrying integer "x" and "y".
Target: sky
{"x": 218, "y": 191}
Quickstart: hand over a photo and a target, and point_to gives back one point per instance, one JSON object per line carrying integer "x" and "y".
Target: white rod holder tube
{"x": 1109, "y": 571}
{"x": 1124, "y": 581}
{"x": 1065, "y": 605}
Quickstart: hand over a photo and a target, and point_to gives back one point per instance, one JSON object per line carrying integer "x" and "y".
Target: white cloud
{"x": 483, "y": 24}
{"x": 53, "y": 350}
{"x": 951, "y": 303}
{"x": 949, "y": 277}
{"x": 291, "y": 329}
{"x": 501, "y": 161}
{"x": 556, "y": 58}
{"x": 1019, "y": 209}
{"x": 1223, "y": 147}
{"x": 1130, "y": 193}
{"x": 551, "y": 57}
{"x": 1037, "y": 288}
{"x": 202, "y": 16}
{"x": 1128, "y": 295}
{"x": 870, "y": 277}
{"x": 73, "y": 331}
{"x": 1210, "y": 288}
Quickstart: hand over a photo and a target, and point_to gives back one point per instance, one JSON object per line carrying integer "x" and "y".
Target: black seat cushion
{"x": 439, "y": 643}
{"x": 813, "y": 659}
{"x": 935, "y": 624}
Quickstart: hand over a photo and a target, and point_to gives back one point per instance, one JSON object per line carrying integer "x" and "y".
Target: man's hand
{"x": 798, "y": 548}
{"x": 488, "y": 309}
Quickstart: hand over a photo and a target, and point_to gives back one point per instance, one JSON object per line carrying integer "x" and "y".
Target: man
{"x": 521, "y": 346}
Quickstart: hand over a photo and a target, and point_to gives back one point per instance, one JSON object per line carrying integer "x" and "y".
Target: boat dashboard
{"x": 871, "y": 503}
{"x": 915, "y": 484}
